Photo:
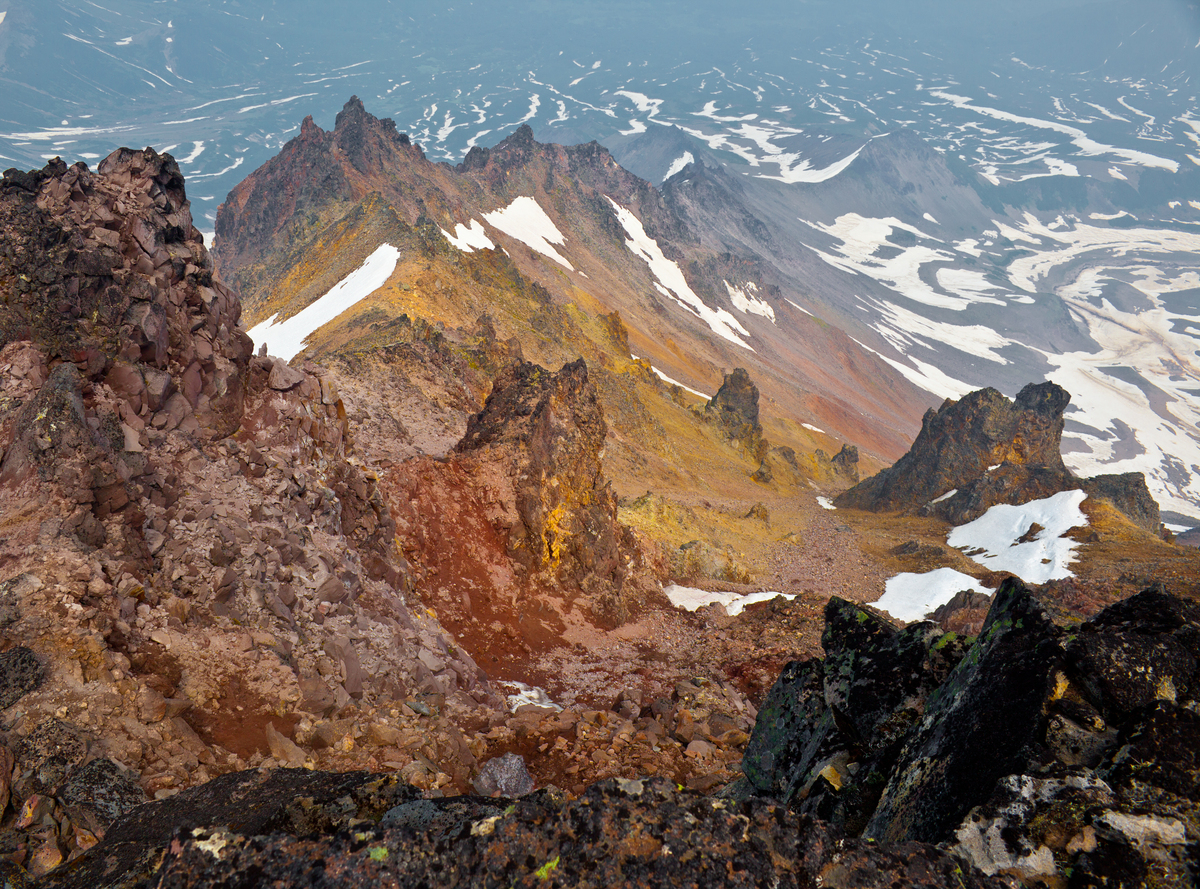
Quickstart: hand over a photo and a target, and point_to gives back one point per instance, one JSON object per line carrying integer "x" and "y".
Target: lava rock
{"x": 977, "y": 724}
{"x": 296, "y": 802}
{"x": 618, "y": 833}
{"x": 983, "y": 450}
{"x": 20, "y": 673}
{"x": 735, "y": 409}
{"x": 99, "y": 793}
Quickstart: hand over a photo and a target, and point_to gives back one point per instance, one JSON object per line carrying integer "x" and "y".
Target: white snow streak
{"x": 285, "y": 338}
{"x": 671, "y": 281}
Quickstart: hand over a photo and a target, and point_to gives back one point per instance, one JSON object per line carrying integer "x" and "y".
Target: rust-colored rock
{"x": 518, "y": 526}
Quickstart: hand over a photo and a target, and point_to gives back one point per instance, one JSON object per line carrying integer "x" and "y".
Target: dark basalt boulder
{"x": 1036, "y": 752}
{"x": 20, "y": 673}
{"x": 977, "y": 727}
{"x": 829, "y": 731}
{"x": 983, "y": 450}
{"x": 99, "y": 793}
{"x": 1139, "y": 651}
{"x": 292, "y": 802}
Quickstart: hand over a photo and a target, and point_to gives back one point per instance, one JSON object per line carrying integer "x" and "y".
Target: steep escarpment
{"x": 982, "y": 450}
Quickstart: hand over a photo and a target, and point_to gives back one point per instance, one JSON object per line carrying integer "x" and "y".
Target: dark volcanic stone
{"x": 792, "y": 729}
{"x": 983, "y": 450}
{"x": 444, "y": 819}
{"x": 1138, "y": 651}
{"x": 870, "y": 666}
{"x": 20, "y": 673}
{"x": 99, "y": 793}
{"x": 1164, "y": 751}
{"x": 976, "y": 726}
{"x": 960, "y": 440}
{"x": 50, "y": 753}
{"x": 735, "y": 407}
{"x": 618, "y": 834}
{"x": 292, "y": 801}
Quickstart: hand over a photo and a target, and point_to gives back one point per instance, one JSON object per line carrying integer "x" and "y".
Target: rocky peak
{"x": 735, "y": 406}
{"x": 984, "y": 449}
{"x": 514, "y": 151}
{"x": 106, "y": 270}
{"x": 520, "y": 514}
{"x": 363, "y": 137}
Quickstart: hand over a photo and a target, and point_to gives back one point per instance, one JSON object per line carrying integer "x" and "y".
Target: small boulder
{"x": 504, "y": 776}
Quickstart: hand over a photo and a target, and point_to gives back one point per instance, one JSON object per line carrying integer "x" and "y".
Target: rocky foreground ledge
{"x": 1034, "y": 754}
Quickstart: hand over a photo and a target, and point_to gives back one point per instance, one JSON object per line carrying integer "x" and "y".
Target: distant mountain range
{"x": 981, "y": 196}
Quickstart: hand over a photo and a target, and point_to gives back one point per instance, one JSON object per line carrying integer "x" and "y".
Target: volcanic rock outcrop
{"x": 295, "y": 828}
{"x": 519, "y": 525}
{"x": 735, "y": 409}
{"x": 982, "y": 450}
{"x": 200, "y": 573}
{"x": 1032, "y": 751}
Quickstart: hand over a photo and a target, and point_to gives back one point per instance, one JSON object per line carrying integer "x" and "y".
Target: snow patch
{"x": 285, "y": 338}
{"x": 469, "y": 238}
{"x": 671, "y": 282}
{"x": 909, "y": 597}
{"x": 520, "y": 694}
{"x": 826, "y": 503}
{"x": 813, "y": 428}
{"x": 678, "y": 164}
{"x": 690, "y": 598}
{"x": 744, "y": 300}
{"x": 526, "y": 221}
{"x": 994, "y": 539}
{"x": 945, "y": 496}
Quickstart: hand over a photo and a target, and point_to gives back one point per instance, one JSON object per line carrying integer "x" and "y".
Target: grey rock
{"x": 505, "y": 775}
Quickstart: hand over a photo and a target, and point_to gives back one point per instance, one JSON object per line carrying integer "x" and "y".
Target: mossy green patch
{"x": 543, "y": 872}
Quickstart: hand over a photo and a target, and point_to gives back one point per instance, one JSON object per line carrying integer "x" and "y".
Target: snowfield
{"x": 994, "y": 540}
{"x": 526, "y": 221}
{"x": 285, "y": 338}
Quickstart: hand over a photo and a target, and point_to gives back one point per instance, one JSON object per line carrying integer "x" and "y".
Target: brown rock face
{"x": 735, "y": 410}
{"x": 196, "y": 559}
{"x": 106, "y": 270}
{"x": 989, "y": 450}
{"x": 520, "y": 523}
{"x": 549, "y": 430}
